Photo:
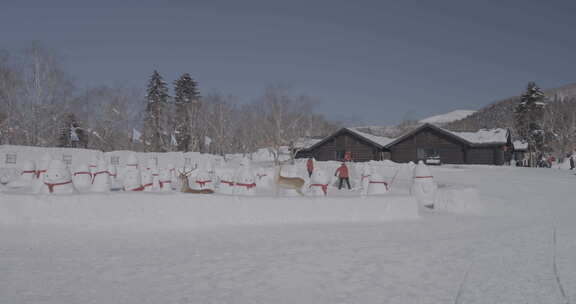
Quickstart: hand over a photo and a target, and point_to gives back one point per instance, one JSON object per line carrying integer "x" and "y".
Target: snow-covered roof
{"x": 481, "y": 137}
{"x": 305, "y": 142}
{"x": 484, "y": 136}
{"x": 381, "y": 140}
{"x": 520, "y": 145}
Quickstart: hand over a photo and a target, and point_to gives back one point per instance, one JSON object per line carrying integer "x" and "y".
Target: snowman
{"x": 101, "y": 178}
{"x": 203, "y": 180}
{"x": 93, "y": 164}
{"x": 365, "y": 175}
{"x": 225, "y": 181}
{"x": 115, "y": 183}
{"x": 376, "y": 184}
{"x": 132, "y": 180}
{"x": 245, "y": 182}
{"x": 82, "y": 177}
{"x": 41, "y": 171}
{"x": 57, "y": 179}
{"x": 166, "y": 179}
{"x": 423, "y": 186}
{"x": 319, "y": 183}
{"x": 27, "y": 176}
{"x": 173, "y": 177}
{"x": 150, "y": 176}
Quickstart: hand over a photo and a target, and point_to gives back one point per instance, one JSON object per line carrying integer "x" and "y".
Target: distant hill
{"x": 500, "y": 114}
{"x": 448, "y": 117}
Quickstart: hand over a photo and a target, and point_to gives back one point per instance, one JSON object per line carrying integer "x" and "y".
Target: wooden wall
{"x": 345, "y": 142}
{"x": 451, "y": 151}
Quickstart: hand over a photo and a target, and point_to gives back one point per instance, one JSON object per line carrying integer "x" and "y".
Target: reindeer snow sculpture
{"x": 294, "y": 183}
{"x": 183, "y": 177}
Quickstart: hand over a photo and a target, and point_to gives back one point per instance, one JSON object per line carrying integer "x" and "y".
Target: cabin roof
{"x": 478, "y": 138}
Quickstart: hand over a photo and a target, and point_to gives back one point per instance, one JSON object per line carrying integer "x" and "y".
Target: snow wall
{"x": 178, "y": 210}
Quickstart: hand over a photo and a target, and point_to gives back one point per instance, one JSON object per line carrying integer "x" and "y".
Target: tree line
{"x": 41, "y": 106}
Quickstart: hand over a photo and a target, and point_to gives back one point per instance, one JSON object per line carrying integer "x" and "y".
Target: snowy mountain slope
{"x": 500, "y": 114}
{"x": 448, "y": 117}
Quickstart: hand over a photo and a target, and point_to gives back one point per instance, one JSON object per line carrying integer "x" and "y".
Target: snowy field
{"x": 520, "y": 249}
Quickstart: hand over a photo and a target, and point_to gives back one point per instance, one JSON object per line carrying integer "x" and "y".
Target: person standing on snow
{"x": 342, "y": 173}
{"x": 572, "y": 162}
{"x": 310, "y": 166}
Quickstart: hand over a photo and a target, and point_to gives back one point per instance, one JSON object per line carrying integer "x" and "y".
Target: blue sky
{"x": 372, "y": 62}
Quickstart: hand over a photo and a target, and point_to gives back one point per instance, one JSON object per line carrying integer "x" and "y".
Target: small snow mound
{"x": 458, "y": 200}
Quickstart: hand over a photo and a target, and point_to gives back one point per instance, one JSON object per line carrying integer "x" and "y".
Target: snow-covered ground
{"x": 521, "y": 249}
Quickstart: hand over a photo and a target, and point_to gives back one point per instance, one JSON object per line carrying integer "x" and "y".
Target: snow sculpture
{"x": 151, "y": 176}
{"x": 27, "y": 176}
{"x": 101, "y": 178}
{"x": 225, "y": 181}
{"x": 93, "y": 164}
{"x": 245, "y": 182}
{"x": 423, "y": 186}
{"x": 203, "y": 180}
{"x": 132, "y": 180}
{"x": 82, "y": 177}
{"x": 57, "y": 179}
{"x": 165, "y": 179}
{"x": 319, "y": 183}
{"x": 376, "y": 184}
{"x": 115, "y": 184}
{"x": 41, "y": 172}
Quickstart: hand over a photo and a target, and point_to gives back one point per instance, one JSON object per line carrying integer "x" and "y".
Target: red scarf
{"x": 28, "y": 171}
{"x": 203, "y": 183}
{"x": 324, "y": 187}
{"x": 99, "y": 172}
{"x": 377, "y": 182}
{"x": 164, "y": 182}
{"x": 39, "y": 172}
{"x": 424, "y": 176}
{"x": 83, "y": 172}
{"x": 227, "y": 182}
{"x": 51, "y": 186}
{"x": 141, "y": 188}
{"x": 248, "y": 186}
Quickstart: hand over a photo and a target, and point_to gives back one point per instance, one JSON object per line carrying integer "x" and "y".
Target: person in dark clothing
{"x": 572, "y": 162}
{"x": 342, "y": 173}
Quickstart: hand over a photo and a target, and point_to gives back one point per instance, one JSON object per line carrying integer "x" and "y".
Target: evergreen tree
{"x": 155, "y": 134}
{"x": 528, "y": 116}
{"x": 71, "y": 133}
{"x": 187, "y": 102}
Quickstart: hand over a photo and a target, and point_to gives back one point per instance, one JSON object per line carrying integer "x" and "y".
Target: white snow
{"x": 448, "y": 117}
{"x": 381, "y": 140}
{"x": 484, "y": 136}
{"x": 157, "y": 247}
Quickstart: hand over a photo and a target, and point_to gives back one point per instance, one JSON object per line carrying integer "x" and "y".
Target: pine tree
{"x": 187, "y": 101}
{"x": 155, "y": 134}
{"x": 528, "y": 116}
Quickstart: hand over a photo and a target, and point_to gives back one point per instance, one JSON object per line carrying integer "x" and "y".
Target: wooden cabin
{"x": 488, "y": 147}
{"x": 347, "y": 141}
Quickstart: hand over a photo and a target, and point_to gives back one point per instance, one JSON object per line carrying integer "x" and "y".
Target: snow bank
{"x": 457, "y": 200}
{"x": 169, "y": 210}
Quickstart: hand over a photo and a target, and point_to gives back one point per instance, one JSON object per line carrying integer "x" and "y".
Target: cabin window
{"x": 115, "y": 160}
{"x": 67, "y": 159}
{"x": 10, "y": 158}
{"x": 424, "y": 153}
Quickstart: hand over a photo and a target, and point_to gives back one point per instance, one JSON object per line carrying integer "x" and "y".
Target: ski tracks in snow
{"x": 555, "y": 266}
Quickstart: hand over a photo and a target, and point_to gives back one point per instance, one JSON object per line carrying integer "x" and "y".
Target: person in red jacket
{"x": 310, "y": 166}
{"x": 342, "y": 173}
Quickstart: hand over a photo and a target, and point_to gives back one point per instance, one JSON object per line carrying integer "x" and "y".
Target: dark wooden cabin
{"x": 362, "y": 146}
{"x": 491, "y": 147}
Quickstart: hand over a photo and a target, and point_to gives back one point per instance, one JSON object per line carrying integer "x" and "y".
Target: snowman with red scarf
{"x": 82, "y": 177}
{"x": 423, "y": 187}
{"x": 101, "y": 178}
{"x": 27, "y": 176}
{"x": 57, "y": 179}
